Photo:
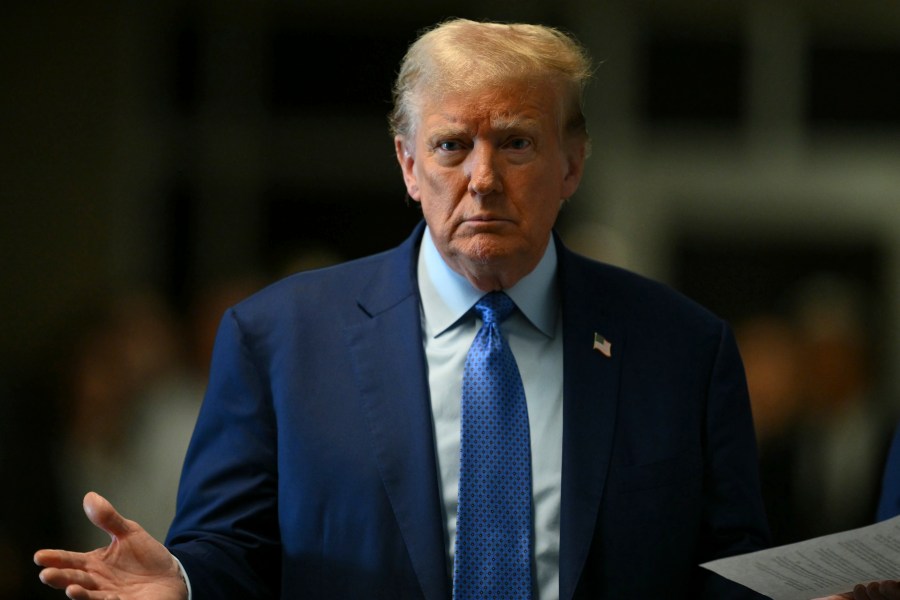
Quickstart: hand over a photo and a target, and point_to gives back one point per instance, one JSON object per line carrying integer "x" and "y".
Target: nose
{"x": 484, "y": 177}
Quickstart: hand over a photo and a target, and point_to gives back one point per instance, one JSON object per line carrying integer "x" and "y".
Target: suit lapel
{"x": 390, "y": 368}
{"x": 590, "y": 399}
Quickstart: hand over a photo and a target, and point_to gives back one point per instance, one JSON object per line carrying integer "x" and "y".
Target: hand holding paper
{"x": 825, "y": 568}
{"x": 880, "y": 590}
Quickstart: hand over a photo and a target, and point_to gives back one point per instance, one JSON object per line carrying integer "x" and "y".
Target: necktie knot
{"x": 495, "y": 307}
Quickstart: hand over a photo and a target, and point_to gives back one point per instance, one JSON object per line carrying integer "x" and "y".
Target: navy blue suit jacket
{"x": 312, "y": 468}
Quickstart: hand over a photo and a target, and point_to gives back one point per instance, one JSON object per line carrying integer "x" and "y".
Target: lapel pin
{"x": 602, "y": 345}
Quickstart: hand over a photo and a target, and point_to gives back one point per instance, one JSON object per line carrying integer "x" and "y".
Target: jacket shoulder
{"x": 628, "y": 295}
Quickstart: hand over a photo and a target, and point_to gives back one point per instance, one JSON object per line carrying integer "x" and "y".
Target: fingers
{"x": 102, "y": 514}
{"x": 61, "y": 559}
{"x": 878, "y": 590}
{"x": 78, "y": 593}
{"x": 890, "y": 590}
{"x": 883, "y": 590}
{"x": 65, "y": 578}
{"x": 78, "y": 585}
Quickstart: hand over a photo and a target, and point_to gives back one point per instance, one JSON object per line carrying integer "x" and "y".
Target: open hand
{"x": 133, "y": 567}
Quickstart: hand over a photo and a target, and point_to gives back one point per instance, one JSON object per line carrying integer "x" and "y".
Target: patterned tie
{"x": 493, "y": 534}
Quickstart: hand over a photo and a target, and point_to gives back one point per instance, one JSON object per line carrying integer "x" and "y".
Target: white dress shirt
{"x": 534, "y": 333}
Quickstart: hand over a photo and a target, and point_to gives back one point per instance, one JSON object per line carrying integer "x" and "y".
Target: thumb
{"x": 103, "y": 515}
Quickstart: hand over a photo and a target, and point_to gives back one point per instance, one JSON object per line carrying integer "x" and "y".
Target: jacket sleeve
{"x": 225, "y": 531}
{"x": 734, "y": 517}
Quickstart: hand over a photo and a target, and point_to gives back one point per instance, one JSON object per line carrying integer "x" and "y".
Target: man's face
{"x": 491, "y": 172}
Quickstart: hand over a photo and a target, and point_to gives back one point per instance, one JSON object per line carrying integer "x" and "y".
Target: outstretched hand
{"x": 133, "y": 567}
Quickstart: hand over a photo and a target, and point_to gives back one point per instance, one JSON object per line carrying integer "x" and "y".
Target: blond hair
{"x": 462, "y": 56}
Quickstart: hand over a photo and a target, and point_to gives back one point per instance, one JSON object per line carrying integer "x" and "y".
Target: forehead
{"x": 500, "y": 107}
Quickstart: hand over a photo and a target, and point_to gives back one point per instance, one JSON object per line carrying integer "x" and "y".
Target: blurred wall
{"x": 59, "y": 104}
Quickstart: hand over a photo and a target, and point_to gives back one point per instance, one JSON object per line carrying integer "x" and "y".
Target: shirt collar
{"x": 447, "y": 296}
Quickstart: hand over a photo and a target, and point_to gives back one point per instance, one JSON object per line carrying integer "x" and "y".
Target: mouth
{"x": 479, "y": 220}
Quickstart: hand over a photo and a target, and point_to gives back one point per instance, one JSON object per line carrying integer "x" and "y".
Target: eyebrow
{"x": 508, "y": 122}
{"x": 446, "y": 131}
{"x": 498, "y": 123}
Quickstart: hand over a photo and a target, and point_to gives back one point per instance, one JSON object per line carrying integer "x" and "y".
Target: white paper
{"x": 819, "y": 567}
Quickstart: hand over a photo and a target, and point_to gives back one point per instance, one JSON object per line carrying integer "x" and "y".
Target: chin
{"x": 486, "y": 249}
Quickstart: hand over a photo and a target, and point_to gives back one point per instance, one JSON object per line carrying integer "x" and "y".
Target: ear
{"x": 407, "y": 160}
{"x": 575, "y": 152}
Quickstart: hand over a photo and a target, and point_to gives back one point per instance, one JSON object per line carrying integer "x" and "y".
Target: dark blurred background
{"x": 161, "y": 160}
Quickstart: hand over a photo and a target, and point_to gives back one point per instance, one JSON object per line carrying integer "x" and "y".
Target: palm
{"x": 133, "y": 567}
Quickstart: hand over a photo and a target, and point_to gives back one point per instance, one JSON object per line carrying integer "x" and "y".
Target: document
{"x": 818, "y": 567}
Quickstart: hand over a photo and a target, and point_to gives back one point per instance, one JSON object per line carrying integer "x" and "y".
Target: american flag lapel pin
{"x": 602, "y": 345}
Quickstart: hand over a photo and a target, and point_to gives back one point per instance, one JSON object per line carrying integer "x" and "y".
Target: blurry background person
{"x": 770, "y": 349}
{"x": 131, "y": 404}
{"x": 845, "y": 428}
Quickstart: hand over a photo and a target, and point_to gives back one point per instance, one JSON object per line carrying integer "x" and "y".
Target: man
{"x": 333, "y": 448}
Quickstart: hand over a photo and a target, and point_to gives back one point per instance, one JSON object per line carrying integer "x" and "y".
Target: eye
{"x": 518, "y": 143}
{"x": 449, "y": 146}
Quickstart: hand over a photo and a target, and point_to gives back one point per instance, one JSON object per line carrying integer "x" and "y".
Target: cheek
{"x": 432, "y": 181}
{"x": 541, "y": 202}
{"x": 440, "y": 190}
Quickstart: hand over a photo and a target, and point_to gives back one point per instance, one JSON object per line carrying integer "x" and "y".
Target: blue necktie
{"x": 493, "y": 533}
